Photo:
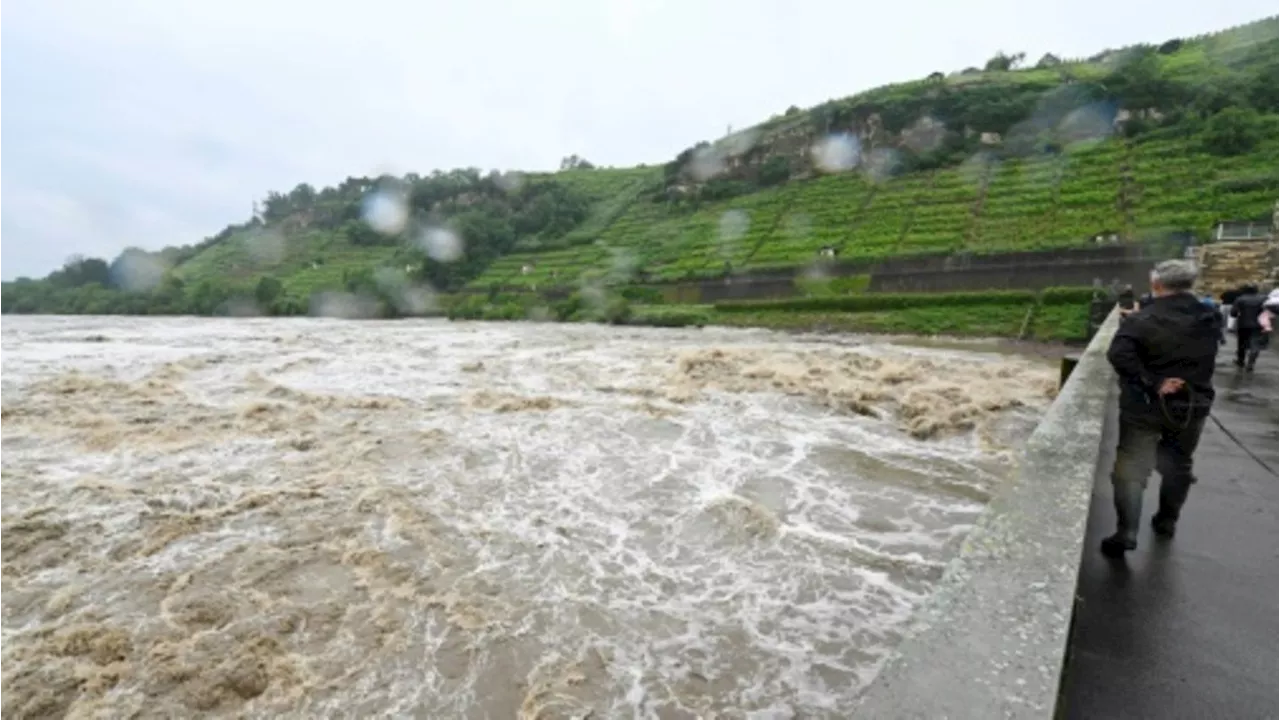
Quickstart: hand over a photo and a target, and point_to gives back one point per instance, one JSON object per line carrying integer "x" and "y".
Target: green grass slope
{"x": 312, "y": 259}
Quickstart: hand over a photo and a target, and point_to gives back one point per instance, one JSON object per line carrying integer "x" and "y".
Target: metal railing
{"x": 1228, "y": 231}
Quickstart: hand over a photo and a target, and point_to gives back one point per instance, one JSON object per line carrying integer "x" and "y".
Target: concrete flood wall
{"x": 991, "y": 641}
{"x": 1030, "y": 270}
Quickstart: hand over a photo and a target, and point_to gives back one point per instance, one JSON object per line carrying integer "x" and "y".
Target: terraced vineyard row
{"x": 542, "y": 269}
{"x": 1180, "y": 189}
{"x": 941, "y": 211}
{"x": 818, "y": 213}
{"x": 337, "y": 265}
{"x": 1019, "y": 208}
{"x": 611, "y": 191}
{"x": 985, "y": 205}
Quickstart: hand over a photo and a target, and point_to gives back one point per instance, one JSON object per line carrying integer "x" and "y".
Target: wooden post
{"x": 1026, "y": 320}
{"x": 1069, "y": 363}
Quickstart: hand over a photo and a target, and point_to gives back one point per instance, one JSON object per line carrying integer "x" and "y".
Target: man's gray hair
{"x": 1175, "y": 274}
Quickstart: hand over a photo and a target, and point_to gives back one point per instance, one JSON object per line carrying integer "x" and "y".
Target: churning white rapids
{"x": 317, "y": 518}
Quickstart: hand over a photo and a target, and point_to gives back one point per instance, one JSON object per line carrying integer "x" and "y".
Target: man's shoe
{"x": 1163, "y": 525}
{"x": 1117, "y": 545}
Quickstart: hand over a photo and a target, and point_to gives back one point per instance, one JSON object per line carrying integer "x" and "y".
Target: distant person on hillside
{"x": 1164, "y": 355}
{"x": 1249, "y": 336}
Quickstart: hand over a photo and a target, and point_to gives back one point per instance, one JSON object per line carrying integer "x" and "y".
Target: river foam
{"x": 315, "y": 518}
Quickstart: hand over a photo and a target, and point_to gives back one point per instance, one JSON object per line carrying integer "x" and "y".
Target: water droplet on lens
{"x": 386, "y": 211}
{"x": 734, "y": 224}
{"x": 976, "y": 169}
{"x": 1086, "y": 125}
{"x": 880, "y": 164}
{"x": 343, "y": 305}
{"x": 138, "y": 271}
{"x": 622, "y": 264}
{"x": 836, "y": 153}
{"x": 511, "y": 181}
{"x": 416, "y": 300}
{"x": 707, "y": 163}
{"x": 441, "y": 244}
{"x": 266, "y": 247}
{"x": 741, "y": 141}
{"x": 797, "y": 226}
{"x": 925, "y": 135}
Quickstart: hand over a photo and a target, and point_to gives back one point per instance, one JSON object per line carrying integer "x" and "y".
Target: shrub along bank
{"x": 880, "y": 301}
{"x": 1052, "y": 315}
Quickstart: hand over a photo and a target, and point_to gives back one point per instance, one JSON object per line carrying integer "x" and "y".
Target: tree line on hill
{"x": 490, "y": 211}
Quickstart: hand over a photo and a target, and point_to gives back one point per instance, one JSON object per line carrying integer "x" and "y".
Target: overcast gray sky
{"x": 157, "y": 122}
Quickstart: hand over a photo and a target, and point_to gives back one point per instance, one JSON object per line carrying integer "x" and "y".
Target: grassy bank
{"x": 976, "y": 321}
{"x": 1054, "y": 315}
{"x": 1065, "y": 323}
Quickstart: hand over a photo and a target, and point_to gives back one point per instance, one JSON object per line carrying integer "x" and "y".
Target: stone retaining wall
{"x": 1227, "y": 265}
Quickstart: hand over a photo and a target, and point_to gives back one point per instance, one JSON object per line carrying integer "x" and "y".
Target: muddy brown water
{"x": 315, "y": 518}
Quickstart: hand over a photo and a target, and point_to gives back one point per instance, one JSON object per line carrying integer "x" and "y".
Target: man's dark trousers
{"x": 1248, "y": 345}
{"x": 1148, "y": 444}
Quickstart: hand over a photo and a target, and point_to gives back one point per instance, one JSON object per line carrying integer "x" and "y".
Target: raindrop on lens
{"x": 441, "y": 244}
{"x": 386, "y": 211}
{"x": 734, "y": 224}
{"x": 836, "y": 153}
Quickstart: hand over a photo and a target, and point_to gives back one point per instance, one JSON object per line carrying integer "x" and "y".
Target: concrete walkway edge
{"x": 990, "y": 641}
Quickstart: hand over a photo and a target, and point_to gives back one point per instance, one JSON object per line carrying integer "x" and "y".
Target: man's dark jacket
{"x": 1246, "y": 310}
{"x": 1176, "y": 336}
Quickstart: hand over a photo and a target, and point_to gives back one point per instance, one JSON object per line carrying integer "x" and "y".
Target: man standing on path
{"x": 1164, "y": 355}
{"x": 1249, "y": 339}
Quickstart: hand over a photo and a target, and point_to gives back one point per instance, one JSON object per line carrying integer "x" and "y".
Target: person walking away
{"x": 1212, "y": 304}
{"x": 1229, "y": 299}
{"x": 1249, "y": 336}
{"x": 1164, "y": 356}
{"x": 1271, "y": 306}
{"x": 1267, "y": 318}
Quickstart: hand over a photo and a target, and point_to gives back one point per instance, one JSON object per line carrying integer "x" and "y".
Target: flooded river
{"x": 317, "y": 518}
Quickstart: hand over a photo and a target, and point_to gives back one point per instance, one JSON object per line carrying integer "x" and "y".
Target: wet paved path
{"x": 1187, "y": 628}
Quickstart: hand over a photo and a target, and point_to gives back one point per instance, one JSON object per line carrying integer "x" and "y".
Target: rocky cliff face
{"x": 809, "y": 148}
